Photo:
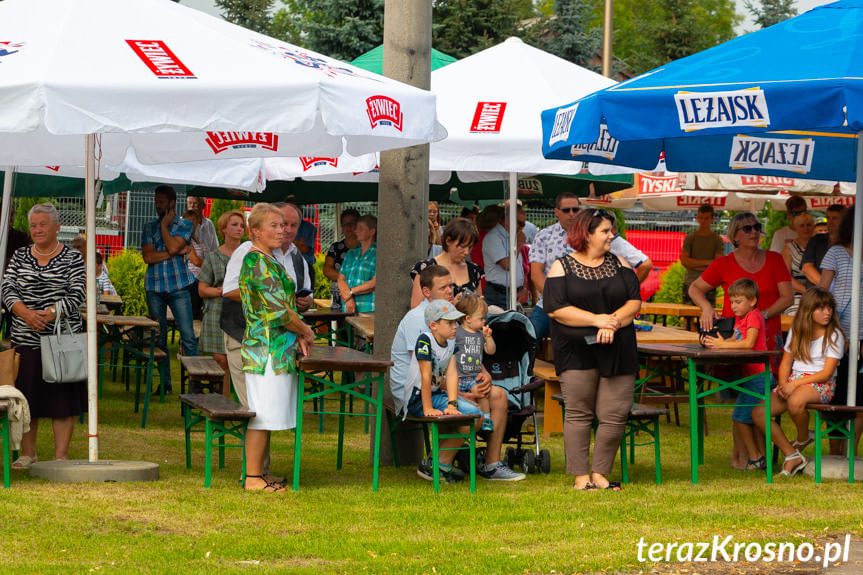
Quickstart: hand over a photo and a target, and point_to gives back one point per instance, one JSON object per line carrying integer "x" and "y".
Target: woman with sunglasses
{"x": 592, "y": 297}
{"x": 748, "y": 260}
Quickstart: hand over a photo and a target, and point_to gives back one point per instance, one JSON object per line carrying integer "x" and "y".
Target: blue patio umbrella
{"x": 783, "y": 101}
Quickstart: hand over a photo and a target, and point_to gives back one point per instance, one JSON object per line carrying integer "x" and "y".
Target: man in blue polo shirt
{"x": 162, "y": 244}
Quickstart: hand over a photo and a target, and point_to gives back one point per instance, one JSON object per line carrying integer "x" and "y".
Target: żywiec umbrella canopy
{"x": 172, "y": 84}
{"x": 176, "y": 85}
{"x": 784, "y": 101}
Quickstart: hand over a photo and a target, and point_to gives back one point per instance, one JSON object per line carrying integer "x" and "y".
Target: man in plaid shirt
{"x": 163, "y": 244}
{"x": 357, "y": 273}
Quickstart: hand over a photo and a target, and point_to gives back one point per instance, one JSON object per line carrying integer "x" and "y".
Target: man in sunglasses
{"x": 549, "y": 245}
{"x": 794, "y": 207}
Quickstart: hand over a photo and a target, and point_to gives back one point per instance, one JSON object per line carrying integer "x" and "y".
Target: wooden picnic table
{"x": 364, "y": 326}
{"x": 690, "y": 311}
{"x": 113, "y": 301}
{"x": 366, "y": 385}
{"x": 128, "y": 333}
{"x": 666, "y": 334}
{"x": 321, "y": 319}
{"x": 696, "y": 358}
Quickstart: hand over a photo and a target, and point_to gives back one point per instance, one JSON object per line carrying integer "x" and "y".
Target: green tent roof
{"x": 373, "y": 60}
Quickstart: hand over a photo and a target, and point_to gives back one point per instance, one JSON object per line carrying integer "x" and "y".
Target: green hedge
{"x": 127, "y": 270}
{"x": 322, "y": 282}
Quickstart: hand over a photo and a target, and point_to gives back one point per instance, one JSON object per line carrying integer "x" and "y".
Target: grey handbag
{"x": 64, "y": 355}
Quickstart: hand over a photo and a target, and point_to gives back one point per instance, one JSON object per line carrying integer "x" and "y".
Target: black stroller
{"x": 511, "y": 368}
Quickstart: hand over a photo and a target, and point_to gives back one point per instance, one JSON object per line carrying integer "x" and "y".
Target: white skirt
{"x": 273, "y": 398}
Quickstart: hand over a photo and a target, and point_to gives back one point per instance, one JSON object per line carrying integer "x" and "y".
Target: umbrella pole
{"x": 854, "y": 343}
{"x": 513, "y": 230}
{"x": 92, "y": 342}
{"x": 8, "y": 186}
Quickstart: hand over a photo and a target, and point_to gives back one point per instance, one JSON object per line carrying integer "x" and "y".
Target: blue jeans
{"x": 540, "y": 322}
{"x": 181, "y": 306}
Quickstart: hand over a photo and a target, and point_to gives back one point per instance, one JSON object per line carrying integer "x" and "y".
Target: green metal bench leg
{"x": 379, "y": 408}
{"x": 298, "y": 443}
{"x": 187, "y": 424}
{"x": 851, "y": 442}
{"x": 656, "y": 452}
{"x": 341, "y": 442}
{"x": 435, "y": 457}
{"x": 624, "y": 463}
{"x": 208, "y": 453}
{"x": 473, "y": 459}
{"x": 818, "y": 449}
{"x": 222, "y": 449}
{"x": 7, "y": 461}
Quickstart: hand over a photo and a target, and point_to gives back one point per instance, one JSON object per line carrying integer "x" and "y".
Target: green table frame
{"x": 5, "y": 436}
{"x": 347, "y": 361}
{"x": 696, "y": 356}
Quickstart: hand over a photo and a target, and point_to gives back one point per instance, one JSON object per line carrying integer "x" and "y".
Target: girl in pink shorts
{"x": 807, "y": 374}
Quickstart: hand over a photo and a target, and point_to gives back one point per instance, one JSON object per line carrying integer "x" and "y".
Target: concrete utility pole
{"x": 402, "y": 195}
{"x": 607, "y": 34}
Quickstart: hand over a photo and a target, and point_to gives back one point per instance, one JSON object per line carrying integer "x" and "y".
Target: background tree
{"x": 464, "y": 27}
{"x": 650, "y": 33}
{"x": 769, "y": 12}
{"x": 251, "y": 14}
{"x": 342, "y": 29}
{"x": 570, "y": 33}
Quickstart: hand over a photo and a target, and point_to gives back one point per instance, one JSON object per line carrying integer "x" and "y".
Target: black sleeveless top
{"x": 600, "y": 290}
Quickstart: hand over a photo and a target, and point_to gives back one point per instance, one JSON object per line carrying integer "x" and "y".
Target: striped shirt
{"x": 38, "y": 287}
{"x": 172, "y": 274}
{"x": 359, "y": 268}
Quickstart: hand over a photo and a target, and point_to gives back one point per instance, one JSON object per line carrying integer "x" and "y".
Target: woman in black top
{"x": 459, "y": 236}
{"x": 593, "y": 296}
{"x": 38, "y": 278}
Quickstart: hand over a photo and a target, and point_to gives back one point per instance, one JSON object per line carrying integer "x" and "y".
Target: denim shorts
{"x": 745, "y": 402}
{"x": 440, "y": 400}
{"x": 466, "y": 382}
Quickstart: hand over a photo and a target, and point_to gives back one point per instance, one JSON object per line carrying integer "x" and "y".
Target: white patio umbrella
{"x": 489, "y": 104}
{"x": 177, "y": 85}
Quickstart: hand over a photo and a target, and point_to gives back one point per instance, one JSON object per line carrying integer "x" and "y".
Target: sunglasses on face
{"x": 749, "y": 228}
{"x": 568, "y": 210}
{"x": 797, "y": 213}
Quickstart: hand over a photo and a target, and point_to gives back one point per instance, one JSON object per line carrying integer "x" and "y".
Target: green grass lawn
{"x": 335, "y": 524}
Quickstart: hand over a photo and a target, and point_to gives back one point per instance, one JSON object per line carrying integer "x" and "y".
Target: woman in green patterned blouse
{"x": 273, "y": 333}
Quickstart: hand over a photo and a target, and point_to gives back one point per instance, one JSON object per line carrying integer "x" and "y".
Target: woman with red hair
{"x": 592, "y": 297}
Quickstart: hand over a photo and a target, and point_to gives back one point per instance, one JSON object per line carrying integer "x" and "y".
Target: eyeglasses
{"x": 749, "y": 228}
{"x": 797, "y": 213}
{"x": 568, "y": 210}
{"x": 600, "y": 213}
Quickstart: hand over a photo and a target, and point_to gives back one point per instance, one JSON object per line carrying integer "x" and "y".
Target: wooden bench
{"x": 6, "y": 438}
{"x": 552, "y": 421}
{"x": 222, "y": 417}
{"x": 839, "y": 423}
{"x": 641, "y": 418}
{"x": 202, "y": 372}
{"x": 433, "y": 443}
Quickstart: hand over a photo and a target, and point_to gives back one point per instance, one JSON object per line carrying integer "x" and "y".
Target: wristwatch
{"x": 453, "y": 403}
{"x": 351, "y": 294}
{"x": 765, "y": 315}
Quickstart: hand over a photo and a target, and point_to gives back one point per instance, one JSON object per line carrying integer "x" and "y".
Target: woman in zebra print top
{"x": 38, "y": 277}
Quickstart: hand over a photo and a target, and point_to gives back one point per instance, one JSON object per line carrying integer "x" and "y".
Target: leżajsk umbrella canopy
{"x": 177, "y": 85}
{"x": 784, "y": 101}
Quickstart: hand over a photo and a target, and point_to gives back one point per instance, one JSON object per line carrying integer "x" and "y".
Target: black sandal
{"x": 270, "y": 487}
{"x": 613, "y": 486}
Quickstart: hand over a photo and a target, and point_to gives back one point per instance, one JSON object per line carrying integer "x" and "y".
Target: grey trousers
{"x": 587, "y": 395}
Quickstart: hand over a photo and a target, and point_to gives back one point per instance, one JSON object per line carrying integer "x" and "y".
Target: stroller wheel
{"x": 509, "y": 457}
{"x": 544, "y": 460}
{"x": 529, "y": 462}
